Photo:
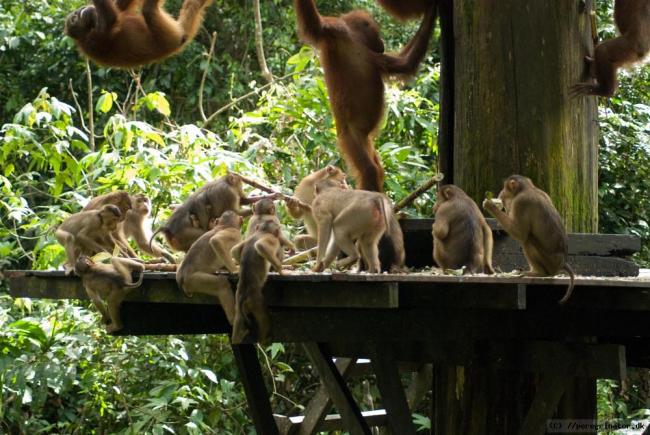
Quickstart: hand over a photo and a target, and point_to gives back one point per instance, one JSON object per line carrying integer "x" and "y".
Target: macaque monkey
{"x": 113, "y": 33}
{"x": 255, "y": 256}
{"x": 355, "y": 65}
{"x": 632, "y": 18}
{"x": 263, "y": 211}
{"x": 406, "y": 9}
{"x": 533, "y": 221}
{"x": 123, "y": 201}
{"x": 138, "y": 227}
{"x": 88, "y": 232}
{"x": 210, "y": 253}
{"x": 210, "y": 201}
{"x": 356, "y": 218}
{"x": 461, "y": 235}
{"x": 109, "y": 282}
{"x": 305, "y": 193}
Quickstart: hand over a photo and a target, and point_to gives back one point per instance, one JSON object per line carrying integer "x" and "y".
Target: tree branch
{"x": 259, "y": 43}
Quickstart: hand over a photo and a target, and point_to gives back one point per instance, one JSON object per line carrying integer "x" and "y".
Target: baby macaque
{"x": 354, "y": 217}
{"x": 123, "y": 201}
{"x": 210, "y": 253}
{"x": 461, "y": 235}
{"x": 533, "y": 221}
{"x": 88, "y": 232}
{"x": 255, "y": 256}
{"x": 264, "y": 211}
{"x": 305, "y": 193}
{"x": 138, "y": 227}
{"x": 191, "y": 219}
{"x": 109, "y": 282}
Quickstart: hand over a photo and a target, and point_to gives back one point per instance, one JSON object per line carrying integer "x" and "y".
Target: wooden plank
{"x": 581, "y": 264}
{"x": 602, "y": 360}
{"x": 328, "y": 295}
{"x": 256, "y": 394}
{"x": 391, "y": 390}
{"x": 321, "y": 403}
{"x": 338, "y": 391}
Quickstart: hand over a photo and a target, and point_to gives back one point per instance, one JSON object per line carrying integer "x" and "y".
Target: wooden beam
{"x": 547, "y": 396}
{"x": 334, "y": 422}
{"x": 321, "y": 403}
{"x": 391, "y": 389}
{"x": 256, "y": 394}
{"x": 338, "y": 391}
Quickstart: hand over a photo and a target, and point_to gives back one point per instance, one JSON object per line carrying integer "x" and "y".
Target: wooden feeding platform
{"x": 506, "y": 356}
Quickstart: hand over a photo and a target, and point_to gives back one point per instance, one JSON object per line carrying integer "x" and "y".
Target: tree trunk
{"x": 513, "y": 64}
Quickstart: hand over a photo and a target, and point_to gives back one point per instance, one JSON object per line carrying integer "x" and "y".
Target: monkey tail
{"x": 138, "y": 283}
{"x": 153, "y": 236}
{"x": 569, "y": 290}
{"x": 386, "y": 208}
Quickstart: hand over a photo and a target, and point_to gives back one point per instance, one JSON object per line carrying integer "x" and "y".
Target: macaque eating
{"x": 461, "y": 235}
{"x": 532, "y": 220}
{"x": 305, "y": 193}
{"x": 114, "y": 33}
{"x": 109, "y": 282}
{"x": 211, "y": 253}
{"x": 356, "y": 218}
{"x": 88, "y": 232}
{"x": 632, "y": 19}
{"x": 255, "y": 255}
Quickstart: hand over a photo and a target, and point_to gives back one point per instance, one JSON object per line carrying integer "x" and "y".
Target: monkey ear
{"x": 446, "y": 193}
{"x": 330, "y": 169}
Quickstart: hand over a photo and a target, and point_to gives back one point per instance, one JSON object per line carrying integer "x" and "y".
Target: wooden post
{"x": 513, "y": 64}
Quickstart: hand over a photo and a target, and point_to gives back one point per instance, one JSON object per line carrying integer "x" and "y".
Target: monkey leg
{"x": 305, "y": 242}
{"x": 68, "y": 241}
{"x": 269, "y": 251}
{"x": 255, "y": 309}
{"x": 126, "y": 267}
{"x": 440, "y": 229}
{"x": 345, "y": 242}
{"x": 223, "y": 255}
{"x": 191, "y": 15}
{"x": 370, "y": 253}
{"x": 114, "y": 302}
{"x": 99, "y": 304}
{"x": 206, "y": 283}
{"x": 324, "y": 235}
{"x": 361, "y": 157}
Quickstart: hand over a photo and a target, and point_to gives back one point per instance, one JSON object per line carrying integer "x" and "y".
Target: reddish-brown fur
{"x": 115, "y": 34}
{"x": 405, "y": 9}
{"x": 354, "y": 62}
{"x": 633, "y": 21}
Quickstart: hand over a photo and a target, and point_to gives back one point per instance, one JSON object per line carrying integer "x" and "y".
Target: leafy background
{"x": 59, "y": 372}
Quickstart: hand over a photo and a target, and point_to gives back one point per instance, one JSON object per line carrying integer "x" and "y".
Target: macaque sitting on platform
{"x": 211, "y": 253}
{"x": 532, "y": 220}
{"x": 461, "y": 235}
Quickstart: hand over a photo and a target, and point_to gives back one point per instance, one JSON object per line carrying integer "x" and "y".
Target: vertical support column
{"x": 256, "y": 393}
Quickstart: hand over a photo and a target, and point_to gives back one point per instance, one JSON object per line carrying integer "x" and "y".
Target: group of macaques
{"x": 462, "y": 237}
{"x": 207, "y": 227}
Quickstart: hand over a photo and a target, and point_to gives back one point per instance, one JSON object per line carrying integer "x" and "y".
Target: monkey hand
{"x": 319, "y": 267}
{"x": 489, "y": 205}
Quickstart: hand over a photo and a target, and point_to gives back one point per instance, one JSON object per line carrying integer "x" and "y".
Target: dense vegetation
{"x": 59, "y": 372}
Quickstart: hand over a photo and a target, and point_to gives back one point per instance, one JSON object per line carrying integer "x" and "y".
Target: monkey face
{"x": 80, "y": 22}
{"x": 264, "y": 206}
{"x": 141, "y": 205}
{"x": 230, "y": 219}
{"x": 83, "y": 264}
{"x": 336, "y": 174}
